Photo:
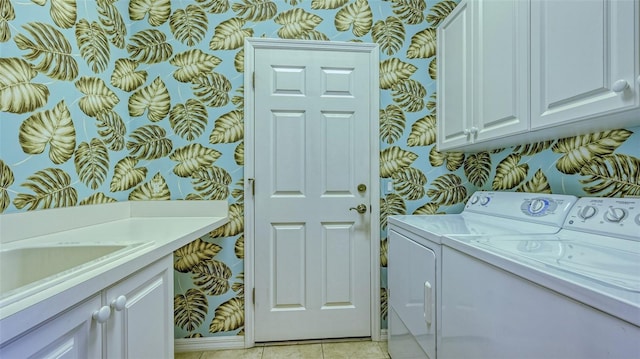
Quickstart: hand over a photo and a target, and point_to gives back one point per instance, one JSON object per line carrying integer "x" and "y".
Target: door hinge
{"x": 252, "y": 183}
{"x": 253, "y": 80}
{"x": 253, "y": 296}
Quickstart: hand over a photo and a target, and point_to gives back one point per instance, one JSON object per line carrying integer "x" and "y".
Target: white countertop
{"x": 168, "y": 225}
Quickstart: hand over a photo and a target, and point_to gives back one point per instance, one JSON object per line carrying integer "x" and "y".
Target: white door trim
{"x": 250, "y": 44}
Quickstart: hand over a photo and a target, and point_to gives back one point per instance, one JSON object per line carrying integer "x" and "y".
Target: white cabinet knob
{"x": 119, "y": 303}
{"x": 619, "y": 86}
{"x": 474, "y": 130}
{"x": 466, "y": 132}
{"x": 102, "y": 315}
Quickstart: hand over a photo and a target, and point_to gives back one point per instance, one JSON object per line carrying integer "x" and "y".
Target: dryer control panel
{"x": 619, "y": 217}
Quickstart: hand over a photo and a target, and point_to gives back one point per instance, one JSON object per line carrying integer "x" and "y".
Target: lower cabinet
{"x": 132, "y": 318}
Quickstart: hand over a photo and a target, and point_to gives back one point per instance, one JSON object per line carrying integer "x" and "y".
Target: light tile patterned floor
{"x": 321, "y": 350}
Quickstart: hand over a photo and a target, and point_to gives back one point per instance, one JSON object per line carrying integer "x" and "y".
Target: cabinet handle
{"x": 119, "y": 303}
{"x": 619, "y": 86}
{"x": 428, "y": 298}
{"x": 102, "y": 315}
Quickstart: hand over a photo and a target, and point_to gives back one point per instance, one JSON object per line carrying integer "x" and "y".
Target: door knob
{"x": 361, "y": 208}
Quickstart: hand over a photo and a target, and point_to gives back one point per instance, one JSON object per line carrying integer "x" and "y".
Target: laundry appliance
{"x": 572, "y": 294}
{"x": 414, "y": 258}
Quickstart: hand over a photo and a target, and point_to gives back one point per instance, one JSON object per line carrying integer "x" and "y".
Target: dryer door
{"x": 412, "y": 298}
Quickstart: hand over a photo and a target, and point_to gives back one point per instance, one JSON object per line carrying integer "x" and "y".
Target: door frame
{"x": 250, "y": 45}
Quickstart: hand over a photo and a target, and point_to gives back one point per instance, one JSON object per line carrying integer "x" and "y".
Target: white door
{"x": 583, "y": 59}
{"x": 312, "y": 151}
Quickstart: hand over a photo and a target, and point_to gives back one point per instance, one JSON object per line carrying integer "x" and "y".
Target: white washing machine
{"x": 414, "y": 269}
{"x": 573, "y": 294}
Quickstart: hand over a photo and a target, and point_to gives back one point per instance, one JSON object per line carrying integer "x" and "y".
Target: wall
{"x": 113, "y": 100}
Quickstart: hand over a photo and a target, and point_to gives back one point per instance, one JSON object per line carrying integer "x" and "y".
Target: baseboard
{"x": 384, "y": 335}
{"x": 209, "y": 343}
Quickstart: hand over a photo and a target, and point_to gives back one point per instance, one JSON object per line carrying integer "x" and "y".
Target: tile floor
{"x": 315, "y": 350}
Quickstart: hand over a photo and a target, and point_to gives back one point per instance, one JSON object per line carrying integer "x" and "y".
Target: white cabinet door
{"x": 500, "y": 68}
{"x": 141, "y": 325}
{"x": 454, "y": 78}
{"x": 71, "y": 335}
{"x": 582, "y": 51}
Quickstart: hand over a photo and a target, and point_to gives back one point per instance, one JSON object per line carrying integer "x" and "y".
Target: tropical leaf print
{"x": 51, "y": 47}
{"x": 52, "y": 188}
{"x": 149, "y": 142}
{"x": 214, "y": 6}
{"x": 238, "y": 193}
{"x": 238, "y": 100}
{"x": 158, "y": 10}
{"x": 228, "y": 316}
{"x": 98, "y": 97}
{"x": 384, "y": 303}
{"x": 97, "y": 198}
{"x": 94, "y": 45}
{"x": 212, "y": 183}
{"x": 190, "y": 309}
{"x": 112, "y": 129}
{"x": 189, "y": 25}
{"x": 423, "y": 132}
{"x": 614, "y": 175}
{"x": 238, "y": 61}
{"x": 235, "y": 225}
{"x": 326, "y": 4}
{"x": 149, "y": 46}
{"x": 189, "y": 256}
{"x": 410, "y": 11}
{"x": 453, "y": 160}
{"x": 193, "y": 64}
{"x": 393, "y": 72}
{"x": 533, "y": 148}
{"x": 389, "y": 34}
{"x": 580, "y": 150}
{"x": 423, "y": 44}
{"x": 193, "y": 158}
{"x": 239, "y": 247}
{"x": 53, "y": 127}
{"x": 255, "y": 10}
{"x": 433, "y": 68}
{"x": 154, "y": 98}
{"x": 126, "y": 175}
{"x": 212, "y": 276}
{"x": 384, "y": 252}
{"x": 238, "y": 154}
{"x": 228, "y": 128}
{"x": 154, "y": 190}
{"x": 447, "y": 190}
{"x": 112, "y": 22}
{"x": 125, "y": 76}
{"x": 431, "y": 104}
{"x": 92, "y": 162}
{"x": 509, "y": 173}
{"x": 229, "y": 35}
{"x": 358, "y": 15}
{"x": 477, "y": 168}
{"x": 391, "y": 205}
{"x": 7, "y": 13}
{"x": 189, "y": 120}
{"x": 392, "y": 123}
{"x": 238, "y": 286}
{"x": 17, "y": 94}
{"x": 440, "y": 11}
{"x": 537, "y": 184}
{"x": 410, "y": 183}
{"x": 395, "y": 159}
{"x": 314, "y": 35}
{"x": 427, "y": 208}
{"x": 64, "y": 13}
{"x": 296, "y": 23}
{"x": 212, "y": 89}
{"x": 410, "y": 95}
{"x": 6, "y": 180}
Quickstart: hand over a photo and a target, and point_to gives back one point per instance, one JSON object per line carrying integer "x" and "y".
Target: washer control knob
{"x": 484, "y": 200}
{"x": 537, "y": 206}
{"x": 587, "y": 212}
{"x": 474, "y": 199}
{"x": 615, "y": 215}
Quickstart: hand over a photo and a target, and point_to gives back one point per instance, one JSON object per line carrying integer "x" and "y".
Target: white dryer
{"x": 573, "y": 294}
{"x": 414, "y": 269}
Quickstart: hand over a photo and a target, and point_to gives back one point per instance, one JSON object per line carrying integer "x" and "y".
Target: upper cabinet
{"x": 513, "y": 72}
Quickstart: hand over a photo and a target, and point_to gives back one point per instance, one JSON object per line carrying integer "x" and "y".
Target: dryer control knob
{"x": 537, "y": 206}
{"x": 615, "y": 215}
{"x": 485, "y": 200}
{"x": 474, "y": 199}
{"x": 587, "y": 212}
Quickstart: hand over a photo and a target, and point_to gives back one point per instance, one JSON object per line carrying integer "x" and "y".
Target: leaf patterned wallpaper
{"x": 113, "y": 100}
